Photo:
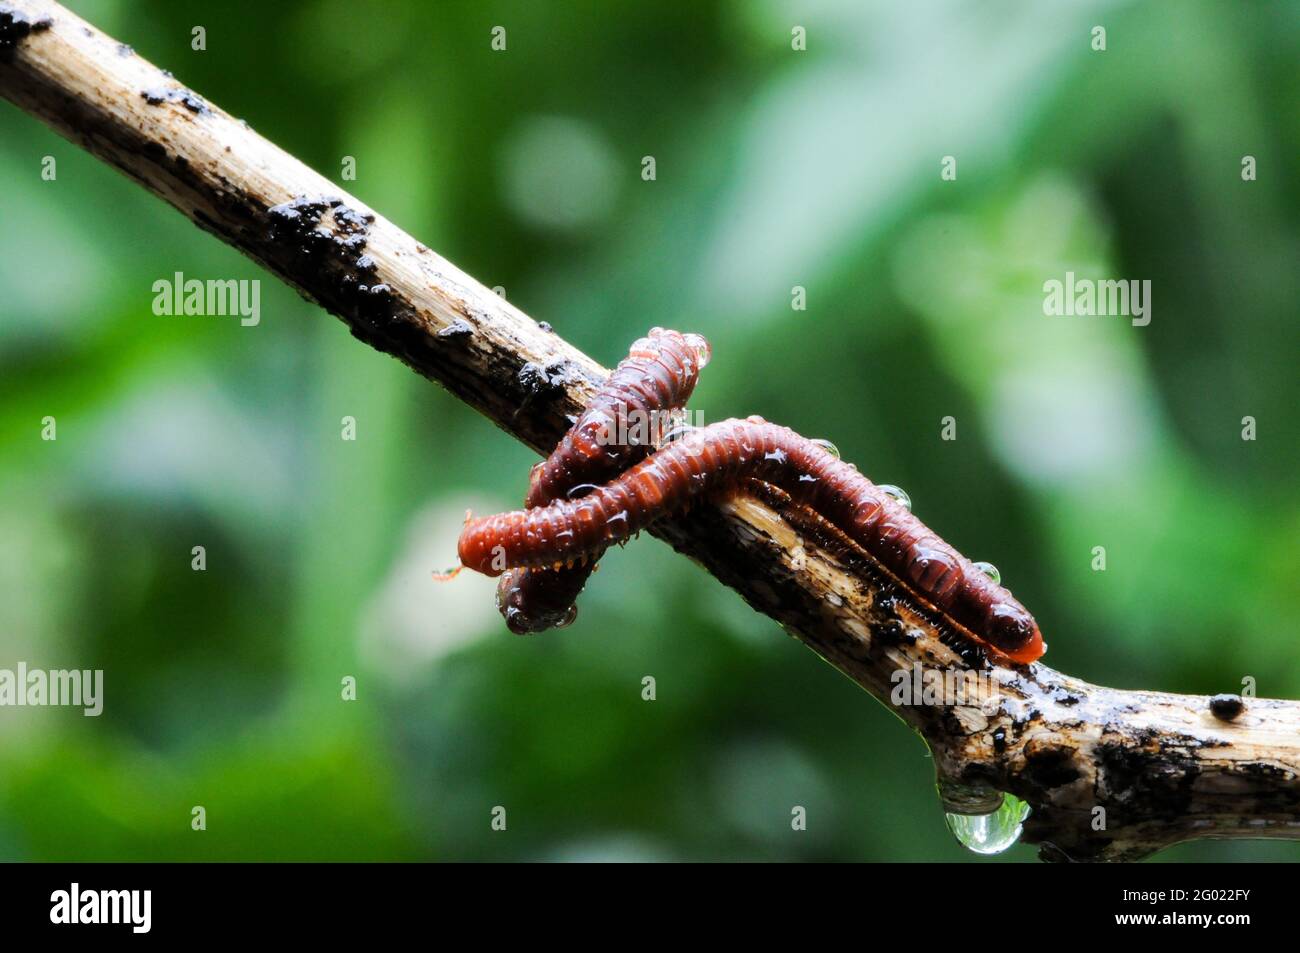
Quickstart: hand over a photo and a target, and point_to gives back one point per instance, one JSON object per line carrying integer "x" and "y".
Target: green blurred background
{"x": 774, "y": 169}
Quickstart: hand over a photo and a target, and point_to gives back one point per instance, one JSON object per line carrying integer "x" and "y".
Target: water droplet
{"x": 990, "y": 570}
{"x": 898, "y": 493}
{"x": 703, "y": 349}
{"x": 829, "y": 447}
{"x": 678, "y": 432}
{"x": 570, "y": 614}
{"x": 535, "y": 473}
{"x": 990, "y": 833}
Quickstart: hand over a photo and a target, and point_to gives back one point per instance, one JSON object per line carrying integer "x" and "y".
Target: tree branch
{"x": 1109, "y": 774}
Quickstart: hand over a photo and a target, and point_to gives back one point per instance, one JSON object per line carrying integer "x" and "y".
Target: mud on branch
{"x": 1109, "y": 774}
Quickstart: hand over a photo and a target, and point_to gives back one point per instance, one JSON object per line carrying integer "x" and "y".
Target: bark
{"x": 1109, "y": 774}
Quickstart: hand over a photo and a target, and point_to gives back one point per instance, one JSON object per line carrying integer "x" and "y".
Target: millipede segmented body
{"x": 618, "y": 428}
{"x": 716, "y": 460}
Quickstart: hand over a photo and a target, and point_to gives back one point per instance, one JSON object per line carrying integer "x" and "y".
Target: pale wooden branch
{"x": 1163, "y": 768}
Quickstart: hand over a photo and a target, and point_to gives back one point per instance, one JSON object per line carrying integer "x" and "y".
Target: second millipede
{"x": 619, "y": 426}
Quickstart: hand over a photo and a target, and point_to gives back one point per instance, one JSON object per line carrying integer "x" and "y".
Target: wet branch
{"x": 1109, "y": 774}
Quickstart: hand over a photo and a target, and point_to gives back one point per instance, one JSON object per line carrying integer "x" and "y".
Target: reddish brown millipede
{"x": 619, "y": 427}
{"x": 717, "y": 459}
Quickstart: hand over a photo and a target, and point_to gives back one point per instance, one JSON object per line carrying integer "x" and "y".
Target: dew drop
{"x": 990, "y": 833}
{"x": 898, "y": 493}
{"x": 678, "y": 432}
{"x": 829, "y": 447}
{"x": 566, "y": 620}
{"x": 703, "y": 350}
{"x": 990, "y": 570}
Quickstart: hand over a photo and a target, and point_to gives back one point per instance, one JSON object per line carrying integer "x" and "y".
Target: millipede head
{"x": 1013, "y": 632}
{"x": 531, "y": 602}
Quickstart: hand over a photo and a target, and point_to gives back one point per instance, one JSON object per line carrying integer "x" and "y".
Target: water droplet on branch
{"x": 990, "y": 833}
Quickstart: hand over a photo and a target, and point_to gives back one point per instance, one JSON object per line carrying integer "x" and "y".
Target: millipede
{"x": 558, "y": 534}
{"x": 619, "y": 426}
